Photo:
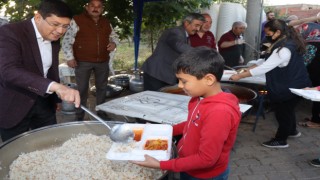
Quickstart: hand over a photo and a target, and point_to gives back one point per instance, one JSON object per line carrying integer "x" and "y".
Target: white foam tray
{"x": 134, "y": 151}
{"x": 312, "y": 95}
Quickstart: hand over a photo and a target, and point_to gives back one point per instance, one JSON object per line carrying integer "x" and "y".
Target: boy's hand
{"x": 148, "y": 162}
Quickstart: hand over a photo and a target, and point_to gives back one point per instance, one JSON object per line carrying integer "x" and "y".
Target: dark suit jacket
{"x": 171, "y": 44}
{"x": 21, "y": 73}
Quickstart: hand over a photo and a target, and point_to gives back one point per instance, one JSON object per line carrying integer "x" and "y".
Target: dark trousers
{"x": 83, "y": 72}
{"x": 41, "y": 114}
{"x": 315, "y": 112}
{"x": 222, "y": 176}
{"x": 286, "y": 118}
{"x": 152, "y": 84}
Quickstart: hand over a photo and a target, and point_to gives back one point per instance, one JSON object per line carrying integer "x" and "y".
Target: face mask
{"x": 269, "y": 39}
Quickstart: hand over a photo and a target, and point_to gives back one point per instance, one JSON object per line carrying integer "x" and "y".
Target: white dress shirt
{"x": 277, "y": 59}
{"x": 45, "y": 50}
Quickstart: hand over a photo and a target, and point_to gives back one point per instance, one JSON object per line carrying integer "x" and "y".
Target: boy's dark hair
{"x": 54, "y": 7}
{"x": 199, "y": 62}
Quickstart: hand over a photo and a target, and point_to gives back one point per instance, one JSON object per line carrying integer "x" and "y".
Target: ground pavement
{"x": 251, "y": 161}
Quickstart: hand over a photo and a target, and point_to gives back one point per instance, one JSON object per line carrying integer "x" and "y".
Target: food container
{"x": 44, "y": 138}
{"x": 137, "y": 150}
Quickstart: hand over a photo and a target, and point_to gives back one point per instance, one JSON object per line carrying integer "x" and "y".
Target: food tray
{"x": 135, "y": 150}
{"x": 312, "y": 95}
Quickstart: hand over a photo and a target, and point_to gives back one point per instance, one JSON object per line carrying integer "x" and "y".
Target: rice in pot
{"x": 82, "y": 157}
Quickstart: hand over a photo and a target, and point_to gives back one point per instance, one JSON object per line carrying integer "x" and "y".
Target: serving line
{"x": 153, "y": 106}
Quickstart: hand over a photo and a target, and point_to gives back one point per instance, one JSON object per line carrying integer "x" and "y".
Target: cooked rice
{"x": 125, "y": 147}
{"x": 82, "y": 157}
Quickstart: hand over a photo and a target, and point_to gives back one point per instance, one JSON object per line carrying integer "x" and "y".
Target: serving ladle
{"x": 118, "y": 133}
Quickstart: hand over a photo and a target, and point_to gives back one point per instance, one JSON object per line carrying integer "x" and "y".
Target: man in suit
{"x": 157, "y": 69}
{"x": 29, "y": 77}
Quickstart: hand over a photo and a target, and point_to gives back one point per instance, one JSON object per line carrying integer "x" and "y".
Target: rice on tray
{"x": 82, "y": 157}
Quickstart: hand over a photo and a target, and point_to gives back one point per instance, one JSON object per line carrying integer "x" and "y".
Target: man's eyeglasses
{"x": 56, "y": 25}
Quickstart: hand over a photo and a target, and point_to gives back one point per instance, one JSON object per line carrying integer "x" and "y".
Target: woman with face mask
{"x": 284, "y": 68}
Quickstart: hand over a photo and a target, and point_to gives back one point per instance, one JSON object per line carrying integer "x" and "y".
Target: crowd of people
{"x": 187, "y": 55}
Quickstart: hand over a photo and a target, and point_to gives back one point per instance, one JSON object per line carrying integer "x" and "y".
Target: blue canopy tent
{"x": 138, "y": 9}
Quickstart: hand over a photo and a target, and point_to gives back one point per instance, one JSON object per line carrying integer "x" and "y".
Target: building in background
{"x": 300, "y": 10}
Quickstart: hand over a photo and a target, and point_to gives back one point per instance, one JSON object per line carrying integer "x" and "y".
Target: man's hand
{"x": 58, "y": 106}
{"x": 66, "y": 94}
{"x": 239, "y": 41}
{"x": 72, "y": 63}
{"x": 148, "y": 162}
{"x": 111, "y": 46}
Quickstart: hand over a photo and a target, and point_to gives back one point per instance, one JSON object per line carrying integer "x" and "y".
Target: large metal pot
{"x": 44, "y": 138}
{"x": 244, "y": 94}
{"x": 120, "y": 80}
{"x": 111, "y": 91}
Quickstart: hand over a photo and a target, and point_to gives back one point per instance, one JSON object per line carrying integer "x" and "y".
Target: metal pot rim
{"x": 92, "y": 124}
{"x": 48, "y": 127}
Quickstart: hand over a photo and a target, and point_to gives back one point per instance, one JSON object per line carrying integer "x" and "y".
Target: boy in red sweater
{"x": 213, "y": 119}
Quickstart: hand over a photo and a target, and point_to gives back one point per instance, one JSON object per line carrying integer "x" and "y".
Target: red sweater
{"x": 206, "y": 40}
{"x": 208, "y": 136}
